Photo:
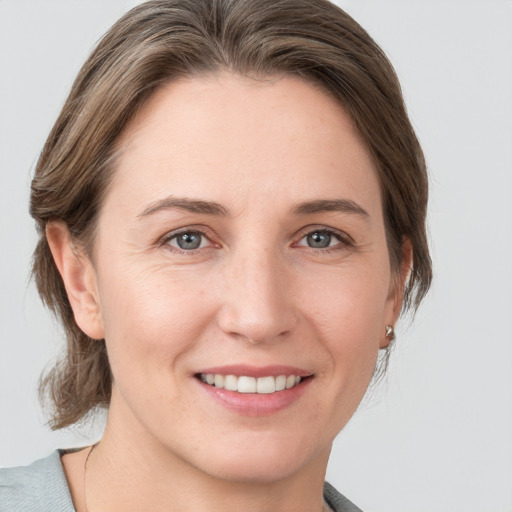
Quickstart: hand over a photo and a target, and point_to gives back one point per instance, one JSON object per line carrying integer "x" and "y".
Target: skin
{"x": 255, "y": 293}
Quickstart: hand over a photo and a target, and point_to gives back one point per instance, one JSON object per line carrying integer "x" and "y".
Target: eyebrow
{"x": 213, "y": 208}
{"x": 186, "y": 204}
{"x": 330, "y": 205}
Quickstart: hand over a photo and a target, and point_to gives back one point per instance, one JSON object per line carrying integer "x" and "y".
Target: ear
{"x": 79, "y": 277}
{"x": 396, "y": 292}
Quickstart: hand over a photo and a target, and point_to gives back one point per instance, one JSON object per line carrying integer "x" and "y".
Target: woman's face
{"x": 242, "y": 236}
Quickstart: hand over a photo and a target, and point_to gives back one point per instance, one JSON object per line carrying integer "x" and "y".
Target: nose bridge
{"x": 256, "y": 304}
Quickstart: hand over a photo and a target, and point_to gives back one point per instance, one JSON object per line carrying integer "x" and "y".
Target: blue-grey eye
{"x": 188, "y": 240}
{"x": 320, "y": 239}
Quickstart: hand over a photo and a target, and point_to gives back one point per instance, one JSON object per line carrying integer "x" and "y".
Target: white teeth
{"x": 245, "y": 384}
{"x": 266, "y": 385}
{"x": 230, "y": 383}
{"x": 290, "y": 381}
{"x": 219, "y": 381}
{"x": 280, "y": 382}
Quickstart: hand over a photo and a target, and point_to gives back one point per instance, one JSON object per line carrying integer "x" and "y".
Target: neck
{"x": 128, "y": 471}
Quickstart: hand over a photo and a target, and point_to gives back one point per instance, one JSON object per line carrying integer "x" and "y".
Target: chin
{"x": 257, "y": 470}
{"x": 264, "y": 461}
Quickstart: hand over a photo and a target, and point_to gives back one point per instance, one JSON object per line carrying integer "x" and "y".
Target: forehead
{"x": 217, "y": 134}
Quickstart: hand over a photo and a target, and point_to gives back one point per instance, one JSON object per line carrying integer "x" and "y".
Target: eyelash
{"x": 166, "y": 239}
{"x": 345, "y": 240}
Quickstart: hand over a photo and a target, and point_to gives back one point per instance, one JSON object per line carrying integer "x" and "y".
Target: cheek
{"x": 150, "y": 316}
{"x": 349, "y": 295}
{"x": 348, "y": 310}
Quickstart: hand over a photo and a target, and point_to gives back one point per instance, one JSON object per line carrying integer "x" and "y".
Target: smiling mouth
{"x": 247, "y": 384}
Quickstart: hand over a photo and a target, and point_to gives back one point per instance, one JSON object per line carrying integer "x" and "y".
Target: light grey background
{"x": 437, "y": 435}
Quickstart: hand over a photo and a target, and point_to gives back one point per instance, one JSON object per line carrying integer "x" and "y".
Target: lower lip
{"x": 256, "y": 404}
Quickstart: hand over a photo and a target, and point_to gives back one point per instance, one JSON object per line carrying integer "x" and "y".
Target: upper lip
{"x": 256, "y": 371}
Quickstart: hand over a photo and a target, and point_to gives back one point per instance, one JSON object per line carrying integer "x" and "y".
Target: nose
{"x": 257, "y": 298}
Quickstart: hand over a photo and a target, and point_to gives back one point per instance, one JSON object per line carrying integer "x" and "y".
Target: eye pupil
{"x": 189, "y": 240}
{"x": 319, "y": 240}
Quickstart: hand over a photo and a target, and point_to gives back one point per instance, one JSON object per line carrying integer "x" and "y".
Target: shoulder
{"x": 337, "y": 501}
{"x": 41, "y": 487}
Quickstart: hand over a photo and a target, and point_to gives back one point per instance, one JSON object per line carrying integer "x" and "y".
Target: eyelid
{"x": 203, "y": 231}
{"x": 344, "y": 238}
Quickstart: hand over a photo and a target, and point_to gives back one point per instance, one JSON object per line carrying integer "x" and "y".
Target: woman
{"x": 232, "y": 216}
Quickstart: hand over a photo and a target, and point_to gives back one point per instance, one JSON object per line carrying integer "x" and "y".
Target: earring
{"x": 390, "y": 332}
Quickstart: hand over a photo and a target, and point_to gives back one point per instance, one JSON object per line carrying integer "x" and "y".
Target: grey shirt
{"x": 42, "y": 487}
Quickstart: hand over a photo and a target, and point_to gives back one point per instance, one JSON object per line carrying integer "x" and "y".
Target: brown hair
{"x": 162, "y": 40}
